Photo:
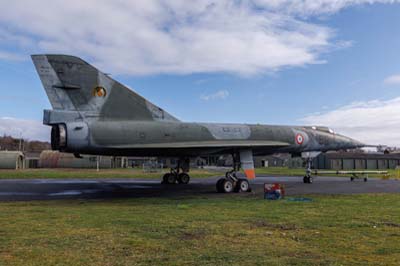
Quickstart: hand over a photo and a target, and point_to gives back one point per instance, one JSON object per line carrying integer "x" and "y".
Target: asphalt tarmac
{"x": 51, "y": 189}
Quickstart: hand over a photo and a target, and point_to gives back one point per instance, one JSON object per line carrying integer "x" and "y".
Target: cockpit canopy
{"x": 323, "y": 129}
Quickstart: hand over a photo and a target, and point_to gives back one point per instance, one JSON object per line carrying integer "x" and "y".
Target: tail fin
{"x": 72, "y": 84}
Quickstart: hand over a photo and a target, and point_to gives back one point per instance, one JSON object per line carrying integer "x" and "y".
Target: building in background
{"x": 55, "y": 159}
{"x": 12, "y": 160}
{"x": 351, "y": 161}
{"x": 32, "y": 159}
{"x": 276, "y": 160}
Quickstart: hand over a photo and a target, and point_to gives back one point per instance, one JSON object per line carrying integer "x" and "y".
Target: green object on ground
{"x": 299, "y": 199}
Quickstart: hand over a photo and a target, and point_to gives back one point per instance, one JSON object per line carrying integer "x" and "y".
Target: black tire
{"x": 227, "y": 186}
{"x": 165, "y": 178}
{"x": 183, "y": 178}
{"x": 310, "y": 180}
{"x": 170, "y": 179}
{"x": 305, "y": 179}
{"x": 365, "y": 179}
{"x": 242, "y": 185}
{"x": 351, "y": 179}
{"x": 219, "y": 185}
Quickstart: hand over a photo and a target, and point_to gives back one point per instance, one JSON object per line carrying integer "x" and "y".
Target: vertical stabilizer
{"x": 72, "y": 84}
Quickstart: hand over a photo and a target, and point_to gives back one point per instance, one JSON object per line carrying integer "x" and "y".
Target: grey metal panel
{"x": 348, "y": 164}
{"x": 336, "y": 164}
{"x": 228, "y": 131}
{"x": 393, "y": 164}
{"x": 320, "y": 162}
{"x": 77, "y": 135}
{"x": 49, "y": 78}
{"x": 372, "y": 164}
{"x": 58, "y": 116}
{"x": 360, "y": 164}
{"x": 295, "y": 163}
{"x": 383, "y": 164}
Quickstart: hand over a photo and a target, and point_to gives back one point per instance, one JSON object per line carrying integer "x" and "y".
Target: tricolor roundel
{"x": 299, "y": 139}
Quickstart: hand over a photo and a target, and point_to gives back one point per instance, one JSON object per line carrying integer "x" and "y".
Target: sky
{"x": 332, "y": 63}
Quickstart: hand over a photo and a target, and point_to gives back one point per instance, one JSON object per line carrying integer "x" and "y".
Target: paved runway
{"x": 49, "y": 189}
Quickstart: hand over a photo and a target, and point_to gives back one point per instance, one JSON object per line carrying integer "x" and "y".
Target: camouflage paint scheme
{"x": 103, "y": 117}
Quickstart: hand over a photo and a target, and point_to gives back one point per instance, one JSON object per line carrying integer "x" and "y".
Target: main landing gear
{"x": 179, "y": 174}
{"x": 231, "y": 183}
{"x": 174, "y": 177}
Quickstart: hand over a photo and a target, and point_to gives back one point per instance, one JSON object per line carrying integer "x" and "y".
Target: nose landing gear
{"x": 308, "y": 179}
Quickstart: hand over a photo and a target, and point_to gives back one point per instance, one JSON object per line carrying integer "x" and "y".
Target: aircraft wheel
{"x": 351, "y": 179}
{"x": 308, "y": 179}
{"x": 227, "y": 186}
{"x": 219, "y": 185}
{"x": 169, "y": 178}
{"x": 165, "y": 178}
{"x": 183, "y": 178}
{"x": 242, "y": 185}
{"x": 365, "y": 179}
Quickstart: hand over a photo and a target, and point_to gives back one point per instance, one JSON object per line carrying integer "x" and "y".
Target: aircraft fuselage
{"x": 153, "y": 138}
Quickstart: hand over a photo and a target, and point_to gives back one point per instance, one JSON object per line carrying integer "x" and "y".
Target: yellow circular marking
{"x": 99, "y": 92}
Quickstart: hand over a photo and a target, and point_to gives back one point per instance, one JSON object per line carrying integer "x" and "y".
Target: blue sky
{"x": 347, "y": 76}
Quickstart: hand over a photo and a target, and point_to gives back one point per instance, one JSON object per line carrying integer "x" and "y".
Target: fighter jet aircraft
{"x": 94, "y": 114}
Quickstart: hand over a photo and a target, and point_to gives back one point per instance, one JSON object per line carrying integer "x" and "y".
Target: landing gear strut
{"x": 179, "y": 174}
{"x": 231, "y": 183}
{"x": 308, "y": 179}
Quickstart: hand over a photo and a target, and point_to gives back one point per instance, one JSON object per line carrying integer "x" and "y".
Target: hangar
{"x": 349, "y": 161}
{"x": 55, "y": 159}
{"x": 12, "y": 160}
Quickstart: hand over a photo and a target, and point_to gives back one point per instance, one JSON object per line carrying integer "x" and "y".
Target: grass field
{"x": 138, "y": 173}
{"x": 233, "y": 230}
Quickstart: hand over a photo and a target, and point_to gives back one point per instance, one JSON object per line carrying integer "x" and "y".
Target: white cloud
{"x": 177, "y": 36}
{"x": 392, "y": 80}
{"x": 28, "y": 129}
{"x": 372, "y": 122}
{"x": 315, "y": 7}
{"x": 11, "y": 56}
{"x": 219, "y": 95}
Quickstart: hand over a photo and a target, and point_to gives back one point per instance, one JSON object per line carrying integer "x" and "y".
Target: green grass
{"x": 284, "y": 171}
{"x": 138, "y": 173}
{"x": 232, "y": 230}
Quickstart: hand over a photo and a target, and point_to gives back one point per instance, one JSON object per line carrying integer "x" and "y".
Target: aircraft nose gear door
{"x": 247, "y": 163}
{"x": 231, "y": 183}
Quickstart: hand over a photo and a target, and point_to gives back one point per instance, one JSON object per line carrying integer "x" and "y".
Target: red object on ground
{"x": 274, "y": 190}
